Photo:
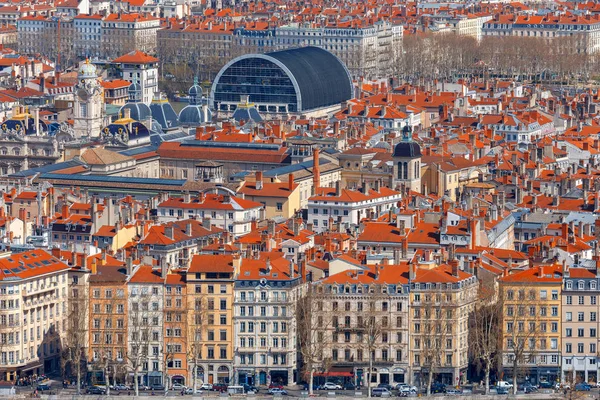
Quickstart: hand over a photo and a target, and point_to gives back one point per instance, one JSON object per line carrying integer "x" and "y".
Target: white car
{"x": 178, "y": 386}
{"x": 504, "y": 384}
{"x": 206, "y": 386}
{"x": 331, "y": 386}
{"x": 406, "y": 388}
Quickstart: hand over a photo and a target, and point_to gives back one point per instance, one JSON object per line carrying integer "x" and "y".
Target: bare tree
{"x": 371, "y": 334}
{"x": 433, "y": 328}
{"x": 312, "y": 333}
{"x": 76, "y": 337}
{"x": 485, "y": 336}
{"x": 197, "y": 310}
{"x": 521, "y": 327}
{"x": 140, "y": 316}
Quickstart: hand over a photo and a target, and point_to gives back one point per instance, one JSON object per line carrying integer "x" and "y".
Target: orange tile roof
{"x": 136, "y": 57}
{"x": 30, "y": 264}
{"x": 211, "y": 263}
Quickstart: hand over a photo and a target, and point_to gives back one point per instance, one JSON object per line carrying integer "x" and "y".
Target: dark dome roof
{"x": 192, "y": 115}
{"x": 137, "y": 111}
{"x": 408, "y": 149}
{"x": 246, "y": 114}
{"x": 164, "y": 114}
{"x": 322, "y": 77}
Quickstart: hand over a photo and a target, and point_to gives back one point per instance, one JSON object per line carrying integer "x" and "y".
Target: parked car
{"x": 545, "y": 385}
{"x": 405, "y": 387}
{"x": 178, "y": 386}
{"x": 190, "y": 390}
{"x": 438, "y": 387}
{"x": 386, "y": 386}
{"x": 527, "y": 387}
{"x": 331, "y": 386}
{"x": 220, "y": 387}
{"x": 501, "y": 390}
{"x": 277, "y": 391}
{"x": 250, "y": 388}
{"x": 275, "y": 385}
{"x": 158, "y": 387}
{"x": 43, "y": 387}
{"x": 583, "y": 387}
{"x": 206, "y": 386}
{"x": 504, "y": 384}
{"x": 453, "y": 392}
{"x": 380, "y": 392}
{"x": 95, "y": 390}
{"x": 349, "y": 386}
{"x": 120, "y": 386}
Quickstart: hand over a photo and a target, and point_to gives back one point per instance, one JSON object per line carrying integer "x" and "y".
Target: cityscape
{"x": 299, "y": 199}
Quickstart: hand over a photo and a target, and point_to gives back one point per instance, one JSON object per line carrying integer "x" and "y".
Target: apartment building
{"x": 349, "y": 207}
{"x": 210, "y": 288}
{"x": 145, "y": 340}
{"x": 441, "y": 300}
{"x": 226, "y": 211}
{"x": 351, "y": 305}
{"x": 579, "y": 298}
{"x": 532, "y": 322}
{"x": 123, "y": 33}
{"x": 582, "y": 31}
{"x": 33, "y": 313}
{"x": 266, "y": 291}
{"x": 176, "y": 332}
{"x": 177, "y": 242}
{"x": 139, "y": 67}
{"x": 108, "y": 302}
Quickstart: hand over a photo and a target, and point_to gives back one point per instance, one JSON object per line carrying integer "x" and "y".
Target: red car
{"x": 220, "y": 387}
{"x": 275, "y": 386}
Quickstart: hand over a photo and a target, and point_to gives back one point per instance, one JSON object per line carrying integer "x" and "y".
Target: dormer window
{"x": 593, "y": 285}
{"x": 569, "y": 285}
{"x": 580, "y": 285}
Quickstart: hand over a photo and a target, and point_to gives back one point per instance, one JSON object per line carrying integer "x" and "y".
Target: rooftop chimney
{"x": 259, "y": 180}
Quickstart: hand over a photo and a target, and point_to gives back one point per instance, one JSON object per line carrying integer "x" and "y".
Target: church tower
{"x": 89, "y": 103}
{"x": 407, "y": 162}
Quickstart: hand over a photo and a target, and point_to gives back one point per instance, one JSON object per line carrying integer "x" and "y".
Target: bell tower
{"x": 88, "y": 110}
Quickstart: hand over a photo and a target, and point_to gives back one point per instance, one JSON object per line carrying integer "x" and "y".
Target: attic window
{"x": 274, "y": 275}
{"x": 360, "y": 272}
{"x": 247, "y": 273}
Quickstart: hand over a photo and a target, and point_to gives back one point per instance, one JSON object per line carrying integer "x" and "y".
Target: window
{"x": 581, "y": 300}
{"x": 569, "y": 316}
{"x": 580, "y": 348}
{"x": 569, "y": 300}
{"x": 555, "y": 295}
{"x": 580, "y": 317}
{"x": 569, "y": 332}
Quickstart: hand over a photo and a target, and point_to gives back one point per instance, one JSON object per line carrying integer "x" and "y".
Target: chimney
{"x": 206, "y": 223}
{"x": 316, "y": 170}
{"x": 412, "y": 273}
{"x": 291, "y": 182}
{"x": 268, "y": 266}
{"x": 454, "y": 265}
{"x": 188, "y": 229}
{"x": 163, "y": 267}
{"x": 292, "y": 267}
{"x": 259, "y": 180}
{"x": 169, "y": 232}
{"x": 65, "y": 211}
{"x": 474, "y": 232}
{"x": 129, "y": 263}
{"x": 94, "y": 267}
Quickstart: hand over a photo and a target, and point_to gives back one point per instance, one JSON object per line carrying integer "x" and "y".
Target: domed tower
{"x": 138, "y": 110}
{"x": 89, "y": 108}
{"x": 407, "y": 162}
{"x": 197, "y": 112}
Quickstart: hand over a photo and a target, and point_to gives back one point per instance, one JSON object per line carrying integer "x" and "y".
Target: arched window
{"x": 16, "y": 151}
{"x": 405, "y": 173}
{"x": 399, "y": 170}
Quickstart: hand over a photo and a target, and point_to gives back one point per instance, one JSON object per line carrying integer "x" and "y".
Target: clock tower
{"x": 89, "y": 105}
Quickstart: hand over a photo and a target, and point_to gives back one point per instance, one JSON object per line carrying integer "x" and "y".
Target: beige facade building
{"x": 442, "y": 298}
{"x": 33, "y": 313}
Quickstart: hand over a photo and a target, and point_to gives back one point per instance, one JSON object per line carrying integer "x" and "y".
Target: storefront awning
{"x": 338, "y": 371}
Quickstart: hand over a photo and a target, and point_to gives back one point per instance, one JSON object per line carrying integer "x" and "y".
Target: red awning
{"x": 334, "y": 373}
